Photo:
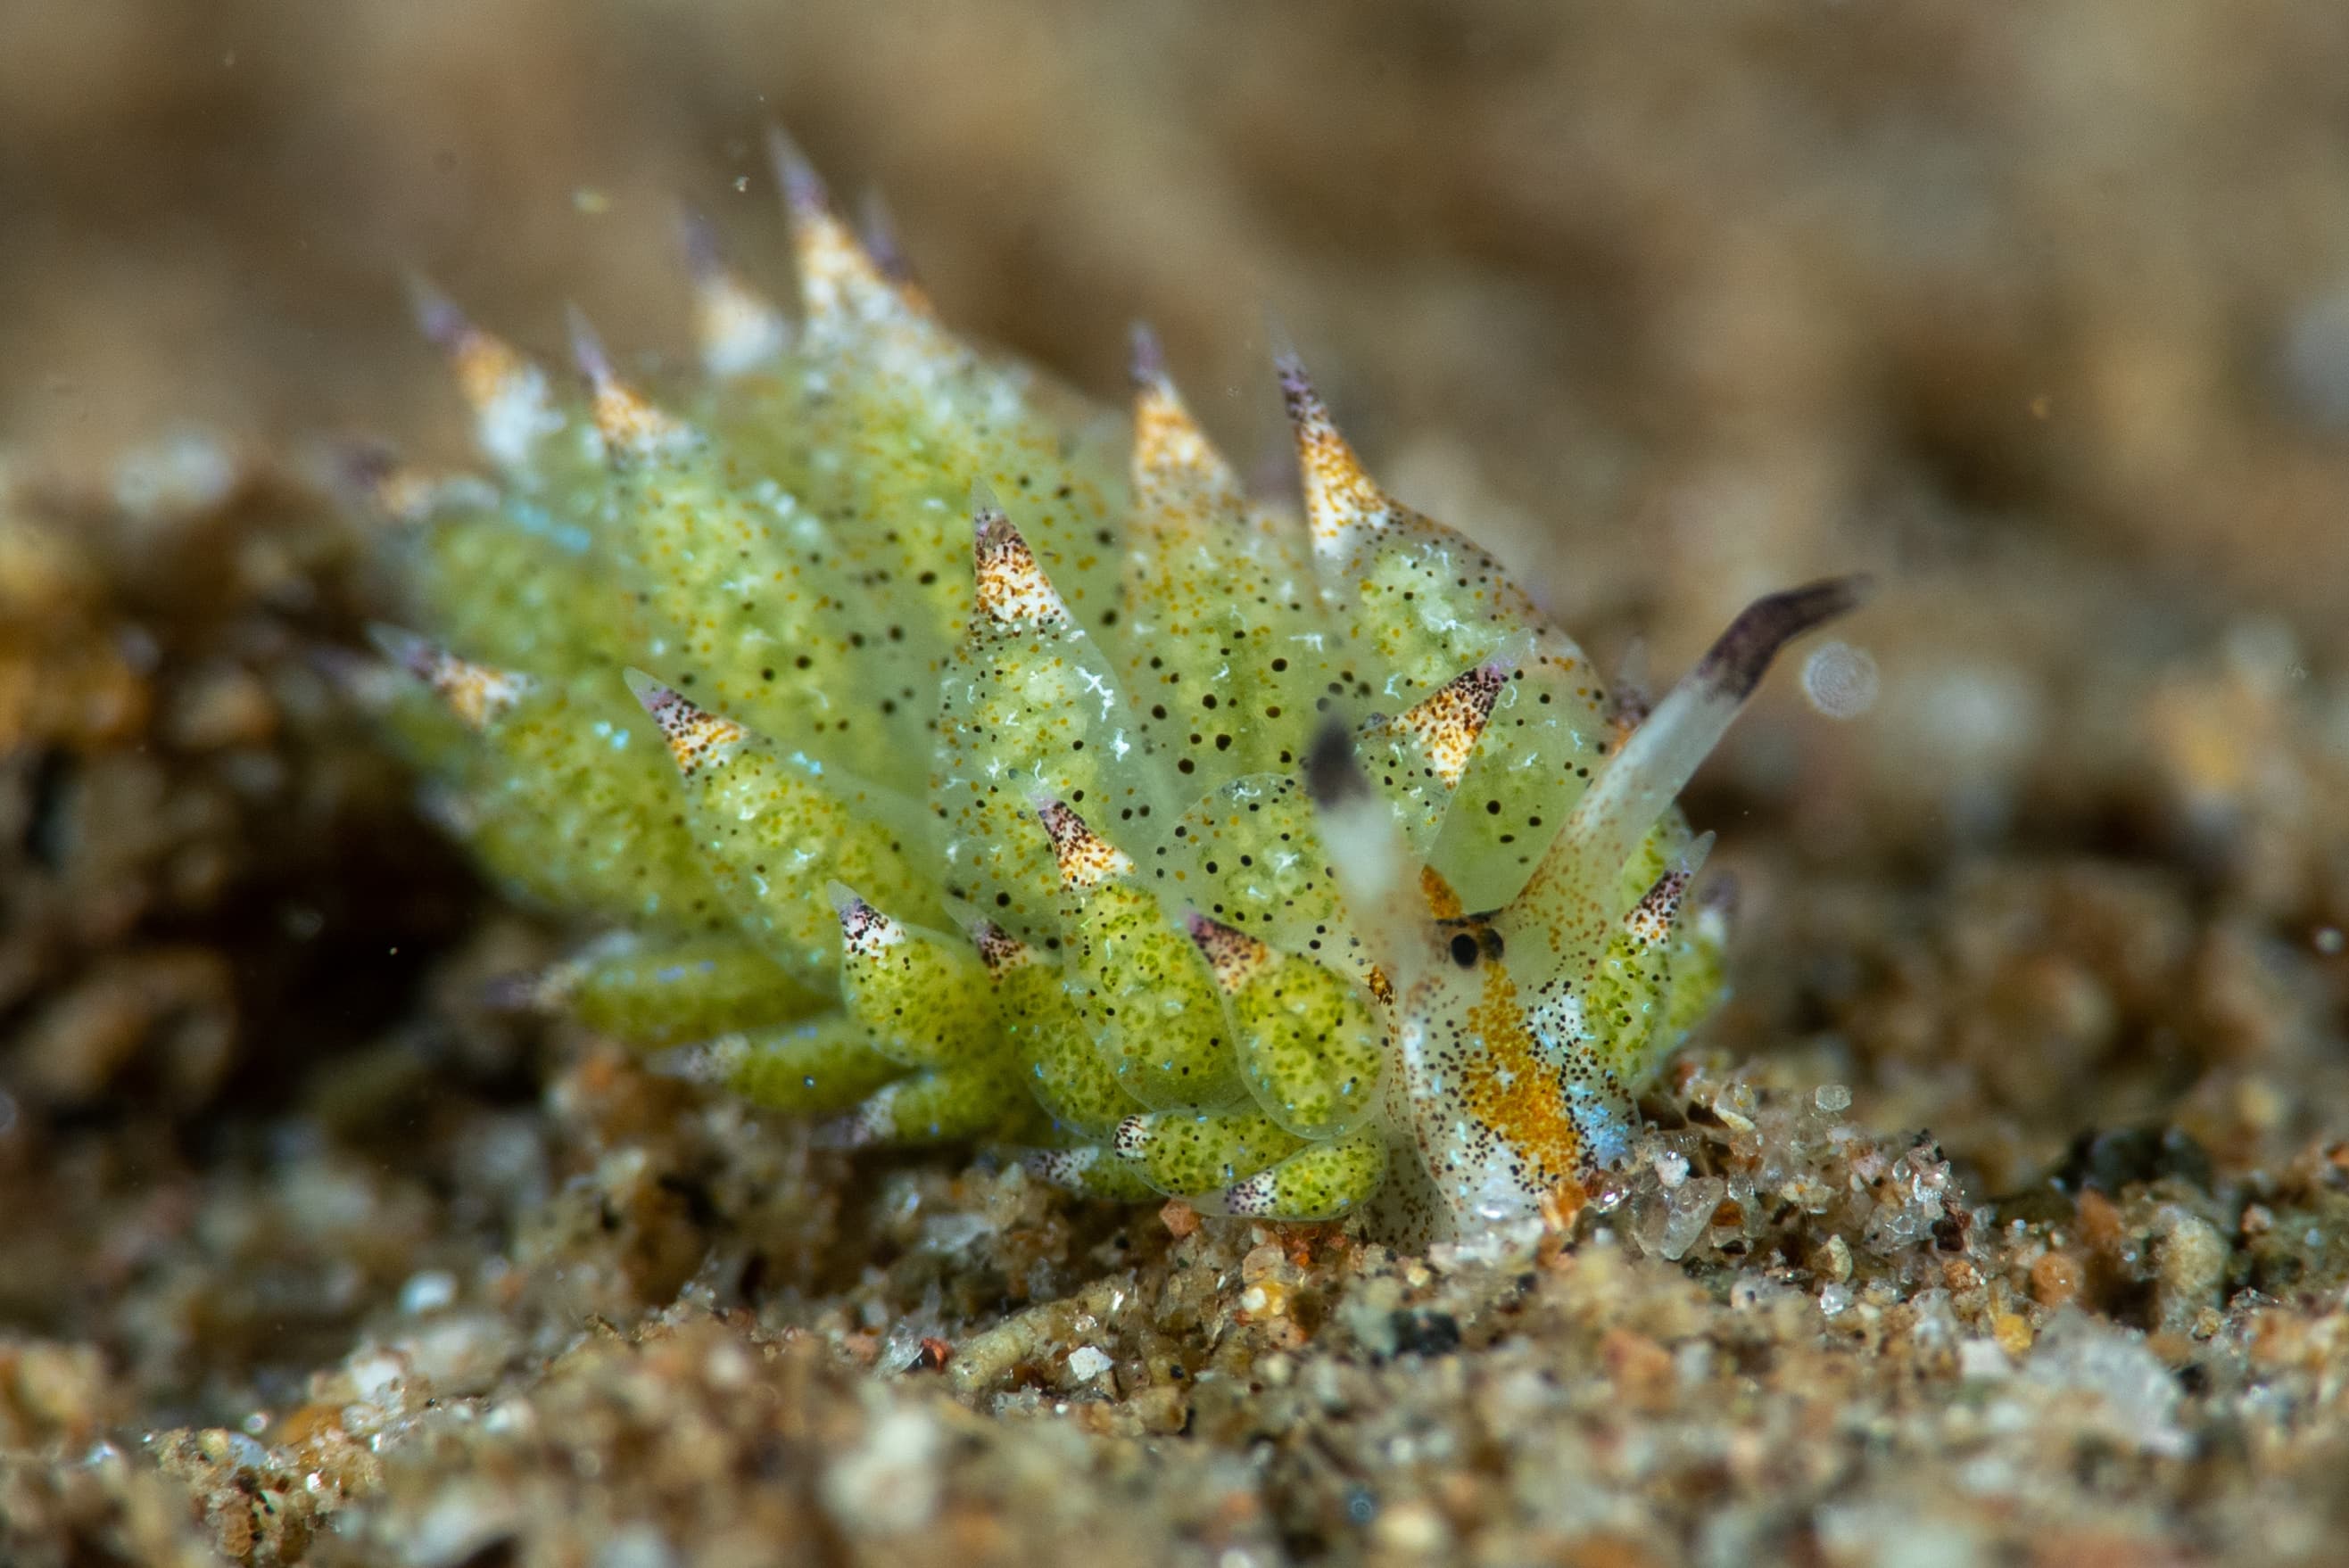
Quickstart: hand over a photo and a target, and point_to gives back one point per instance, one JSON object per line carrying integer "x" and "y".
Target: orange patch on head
{"x": 1513, "y": 1091}
{"x": 1442, "y": 903}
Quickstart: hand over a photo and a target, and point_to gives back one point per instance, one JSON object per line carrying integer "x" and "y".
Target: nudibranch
{"x": 935, "y": 756}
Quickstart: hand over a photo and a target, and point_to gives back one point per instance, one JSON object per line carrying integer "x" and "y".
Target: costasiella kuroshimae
{"x": 933, "y": 755}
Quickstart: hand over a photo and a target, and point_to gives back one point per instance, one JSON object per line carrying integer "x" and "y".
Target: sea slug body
{"x": 937, "y": 762}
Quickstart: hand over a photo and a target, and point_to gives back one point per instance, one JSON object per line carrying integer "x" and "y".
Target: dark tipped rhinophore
{"x": 1332, "y": 775}
{"x": 1740, "y": 656}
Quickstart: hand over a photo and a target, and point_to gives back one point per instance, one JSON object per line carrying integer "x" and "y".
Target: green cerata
{"x": 933, "y": 754}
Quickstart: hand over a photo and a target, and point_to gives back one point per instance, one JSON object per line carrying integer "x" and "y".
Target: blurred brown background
{"x": 1770, "y": 284}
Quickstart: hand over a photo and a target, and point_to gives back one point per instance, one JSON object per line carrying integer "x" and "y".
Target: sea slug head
{"x": 1517, "y": 1035}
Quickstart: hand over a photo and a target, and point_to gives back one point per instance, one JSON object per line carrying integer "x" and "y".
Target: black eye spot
{"x": 1465, "y": 951}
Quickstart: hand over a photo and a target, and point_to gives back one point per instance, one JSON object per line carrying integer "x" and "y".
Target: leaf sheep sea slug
{"x": 939, "y": 760}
